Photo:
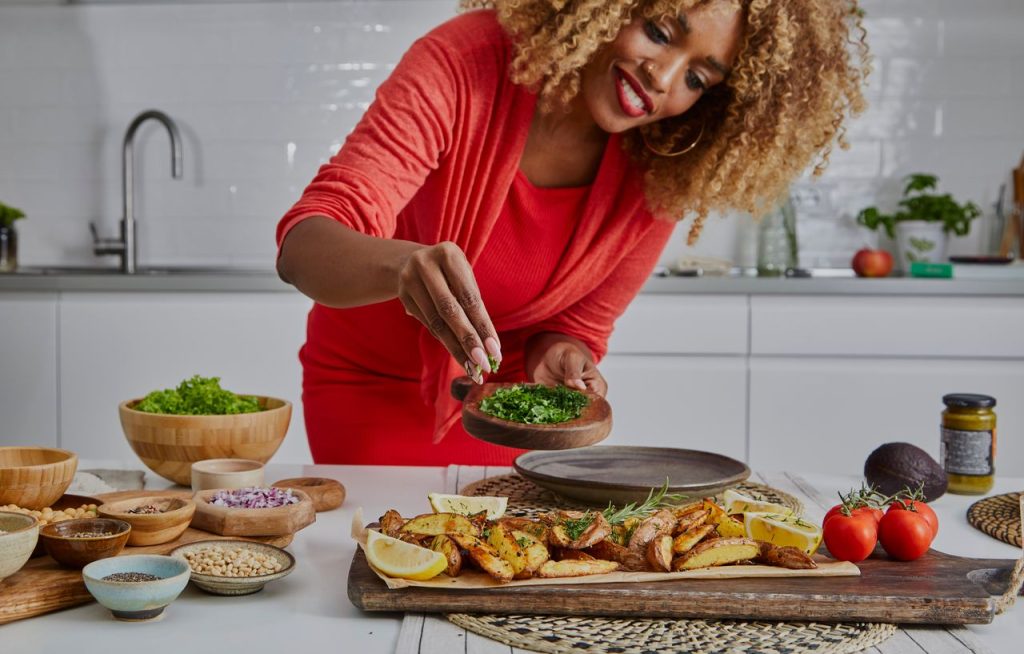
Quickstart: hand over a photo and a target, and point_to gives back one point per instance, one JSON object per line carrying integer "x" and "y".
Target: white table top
{"x": 310, "y": 611}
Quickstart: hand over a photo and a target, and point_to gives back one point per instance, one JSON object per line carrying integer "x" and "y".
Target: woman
{"x": 513, "y": 184}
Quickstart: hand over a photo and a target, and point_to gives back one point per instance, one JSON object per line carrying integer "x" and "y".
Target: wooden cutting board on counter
{"x": 936, "y": 589}
{"x": 43, "y": 586}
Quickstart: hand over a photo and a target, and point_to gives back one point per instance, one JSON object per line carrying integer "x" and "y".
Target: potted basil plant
{"x": 923, "y": 222}
{"x": 8, "y": 237}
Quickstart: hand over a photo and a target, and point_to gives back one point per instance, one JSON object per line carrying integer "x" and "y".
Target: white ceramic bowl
{"x": 17, "y": 542}
{"x": 226, "y": 473}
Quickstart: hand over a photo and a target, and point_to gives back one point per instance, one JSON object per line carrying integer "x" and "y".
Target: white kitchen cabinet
{"x": 118, "y": 346}
{"x": 682, "y": 324}
{"x": 28, "y": 369}
{"x": 696, "y": 402}
{"x": 828, "y": 413}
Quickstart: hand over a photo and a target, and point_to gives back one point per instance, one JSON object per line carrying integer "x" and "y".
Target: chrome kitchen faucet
{"x": 125, "y": 246}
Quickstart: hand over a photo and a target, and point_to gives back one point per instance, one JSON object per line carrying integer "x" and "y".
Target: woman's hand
{"x": 437, "y": 287}
{"x": 553, "y": 359}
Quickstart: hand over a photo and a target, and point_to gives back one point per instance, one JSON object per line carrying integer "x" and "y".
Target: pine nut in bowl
{"x": 234, "y": 567}
{"x": 226, "y": 473}
{"x": 138, "y": 587}
{"x": 76, "y": 543}
{"x": 18, "y": 535}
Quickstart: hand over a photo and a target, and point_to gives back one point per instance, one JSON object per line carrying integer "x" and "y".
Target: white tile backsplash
{"x": 266, "y": 92}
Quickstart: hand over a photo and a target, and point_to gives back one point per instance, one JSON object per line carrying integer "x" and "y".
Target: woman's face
{"x": 656, "y": 69}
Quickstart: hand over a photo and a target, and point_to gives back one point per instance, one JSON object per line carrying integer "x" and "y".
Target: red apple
{"x": 872, "y": 263}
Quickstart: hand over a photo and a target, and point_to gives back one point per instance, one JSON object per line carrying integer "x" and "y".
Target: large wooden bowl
{"x": 168, "y": 444}
{"x": 35, "y": 477}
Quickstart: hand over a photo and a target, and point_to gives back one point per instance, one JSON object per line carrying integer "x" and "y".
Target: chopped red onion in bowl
{"x": 254, "y": 498}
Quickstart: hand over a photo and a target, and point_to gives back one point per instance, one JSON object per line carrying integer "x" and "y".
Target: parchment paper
{"x": 470, "y": 579}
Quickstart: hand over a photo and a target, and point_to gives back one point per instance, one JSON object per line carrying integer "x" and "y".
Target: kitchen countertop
{"x": 309, "y": 610}
{"x": 249, "y": 281}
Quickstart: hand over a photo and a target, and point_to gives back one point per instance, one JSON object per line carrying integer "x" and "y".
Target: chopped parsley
{"x": 535, "y": 404}
{"x": 198, "y": 396}
{"x": 574, "y": 527}
{"x": 523, "y": 542}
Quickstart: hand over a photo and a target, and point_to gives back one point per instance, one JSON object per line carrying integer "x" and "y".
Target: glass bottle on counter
{"x": 968, "y": 444}
{"x": 777, "y": 249}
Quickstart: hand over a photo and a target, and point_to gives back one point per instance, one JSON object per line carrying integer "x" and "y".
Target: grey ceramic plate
{"x": 623, "y": 474}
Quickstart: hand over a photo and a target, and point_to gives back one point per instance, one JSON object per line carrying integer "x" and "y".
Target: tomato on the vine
{"x": 922, "y": 509}
{"x": 850, "y": 537}
{"x": 876, "y": 514}
{"x": 905, "y": 535}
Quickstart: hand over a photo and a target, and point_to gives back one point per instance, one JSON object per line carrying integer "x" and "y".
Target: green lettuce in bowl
{"x": 198, "y": 396}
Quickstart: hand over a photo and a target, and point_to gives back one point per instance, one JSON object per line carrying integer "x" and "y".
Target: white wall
{"x": 264, "y": 92}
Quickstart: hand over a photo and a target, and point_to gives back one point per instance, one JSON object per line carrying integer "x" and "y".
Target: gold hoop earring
{"x": 662, "y": 153}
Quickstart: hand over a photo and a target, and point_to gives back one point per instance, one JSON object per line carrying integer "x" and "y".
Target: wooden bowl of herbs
{"x": 171, "y": 429}
{"x": 532, "y": 416}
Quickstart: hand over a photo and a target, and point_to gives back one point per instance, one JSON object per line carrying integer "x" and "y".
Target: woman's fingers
{"x": 573, "y": 366}
{"x": 437, "y": 287}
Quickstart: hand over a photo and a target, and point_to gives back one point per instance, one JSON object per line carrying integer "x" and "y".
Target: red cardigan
{"x": 433, "y": 159}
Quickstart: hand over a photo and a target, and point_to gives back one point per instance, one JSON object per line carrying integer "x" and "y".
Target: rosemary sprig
{"x": 656, "y": 499}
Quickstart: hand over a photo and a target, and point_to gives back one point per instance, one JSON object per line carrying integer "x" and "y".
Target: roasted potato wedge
{"x": 588, "y": 528}
{"x": 659, "y": 553}
{"x": 660, "y": 523}
{"x": 445, "y": 545}
{"x": 485, "y": 556}
{"x": 440, "y": 524}
{"x": 574, "y": 568}
{"x": 504, "y": 543}
{"x": 610, "y": 551}
{"x": 691, "y": 520}
{"x": 535, "y": 550}
{"x": 680, "y": 511}
{"x": 685, "y": 541}
{"x": 718, "y": 551}
{"x": 573, "y": 555}
{"x": 537, "y": 529}
{"x": 390, "y": 523}
{"x": 792, "y": 558}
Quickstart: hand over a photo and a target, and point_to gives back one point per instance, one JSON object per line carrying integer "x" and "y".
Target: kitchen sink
{"x": 142, "y": 271}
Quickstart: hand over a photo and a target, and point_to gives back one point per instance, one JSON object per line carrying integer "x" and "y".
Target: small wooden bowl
{"x": 152, "y": 528}
{"x": 593, "y": 425}
{"x": 327, "y": 494}
{"x": 276, "y": 521}
{"x": 34, "y": 477}
{"x": 226, "y": 473}
{"x": 77, "y": 552}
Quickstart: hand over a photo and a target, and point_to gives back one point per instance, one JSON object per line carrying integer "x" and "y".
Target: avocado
{"x": 895, "y": 466}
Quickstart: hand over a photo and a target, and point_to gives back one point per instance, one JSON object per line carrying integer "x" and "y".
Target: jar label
{"x": 966, "y": 452}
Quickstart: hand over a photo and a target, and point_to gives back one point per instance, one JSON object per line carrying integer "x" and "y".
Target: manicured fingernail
{"x": 481, "y": 359}
{"x": 580, "y": 384}
{"x": 493, "y": 348}
{"x": 473, "y": 371}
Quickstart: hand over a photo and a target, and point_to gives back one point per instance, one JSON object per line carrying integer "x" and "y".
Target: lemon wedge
{"x": 740, "y": 503}
{"x": 396, "y": 558}
{"x": 466, "y": 505}
{"x": 783, "y": 530}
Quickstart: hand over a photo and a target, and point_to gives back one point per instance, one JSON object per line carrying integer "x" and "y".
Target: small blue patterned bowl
{"x": 137, "y": 600}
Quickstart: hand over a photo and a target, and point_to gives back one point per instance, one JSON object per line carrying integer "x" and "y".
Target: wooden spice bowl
{"x": 274, "y": 521}
{"x": 152, "y": 528}
{"x": 327, "y": 494}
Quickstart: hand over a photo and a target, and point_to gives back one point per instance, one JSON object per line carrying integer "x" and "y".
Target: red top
{"x": 436, "y": 158}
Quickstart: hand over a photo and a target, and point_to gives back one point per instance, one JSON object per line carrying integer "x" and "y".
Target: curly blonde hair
{"x": 796, "y": 79}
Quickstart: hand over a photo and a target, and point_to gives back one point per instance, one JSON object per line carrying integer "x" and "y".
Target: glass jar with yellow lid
{"x": 968, "y": 447}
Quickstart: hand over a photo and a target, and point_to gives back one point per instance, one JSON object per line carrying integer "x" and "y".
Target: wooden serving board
{"x": 936, "y": 589}
{"x": 43, "y": 586}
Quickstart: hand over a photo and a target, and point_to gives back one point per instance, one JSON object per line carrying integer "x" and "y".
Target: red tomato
{"x": 838, "y": 508}
{"x": 851, "y": 537}
{"x": 905, "y": 535}
{"x": 923, "y": 510}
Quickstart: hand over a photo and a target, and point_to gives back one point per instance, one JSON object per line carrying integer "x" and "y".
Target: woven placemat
{"x": 998, "y": 516}
{"x": 528, "y": 499}
{"x": 572, "y": 635}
